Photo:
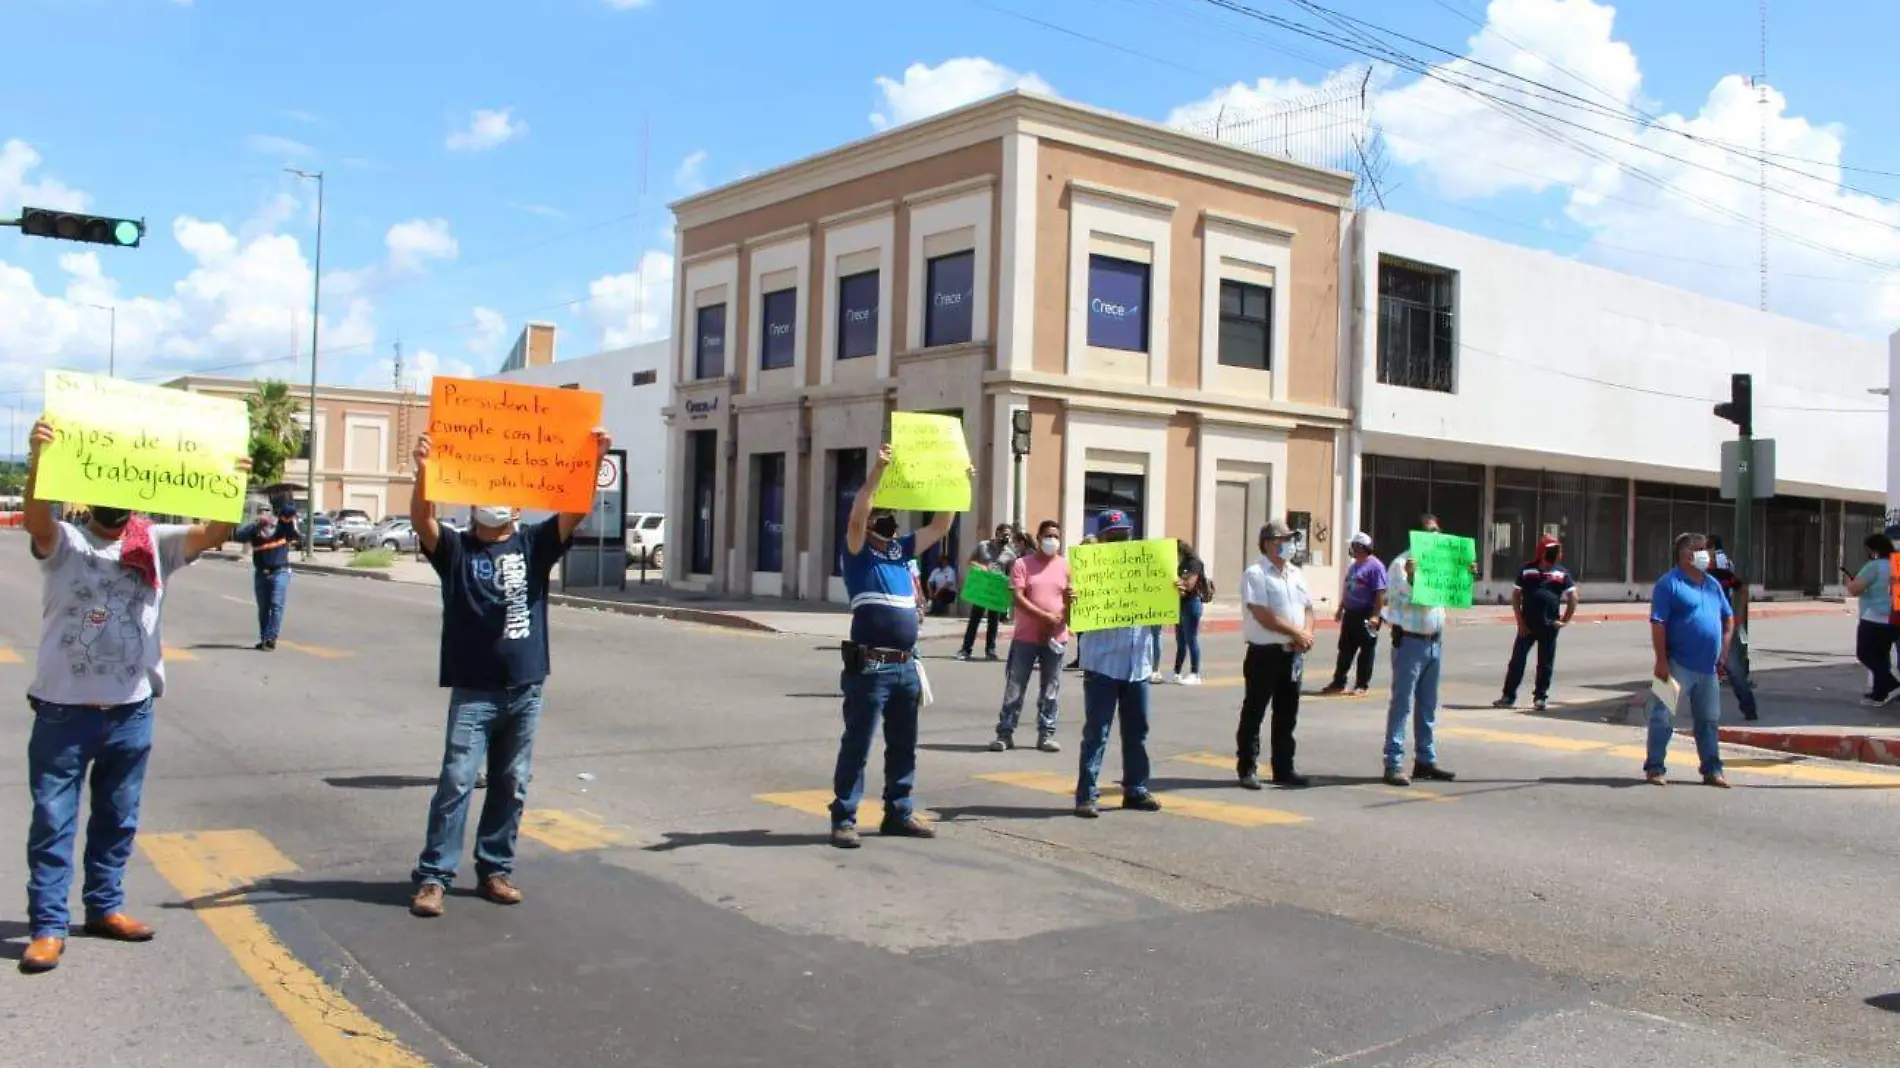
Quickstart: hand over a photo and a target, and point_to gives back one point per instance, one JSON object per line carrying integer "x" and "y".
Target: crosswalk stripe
{"x": 211, "y": 870}
{"x": 1794, "y": 769}
{"x": 1233, "y": 815}
{"x": 175, "y": 654}
{"x": 569, "y": 832}
{"x": 319, "y": 651}
{"x": 818, "y": 803}
{"x": 8, "y": 656}
{"x": 1415, "y": 793}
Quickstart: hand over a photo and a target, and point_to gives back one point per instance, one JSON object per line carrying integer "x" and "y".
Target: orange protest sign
{"x": 500, "y": 443}
{"x": 1893, "y": 585}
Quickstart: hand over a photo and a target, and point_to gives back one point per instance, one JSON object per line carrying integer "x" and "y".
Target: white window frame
{"x": 352, "y": 462}
{"x": 712, "y": 282}
{"x": 1117, "y": 434}
{"x": 1251, "y": 243}
{"x": 790, "y": 255}
{"x": 931, "y": 218}
{"x": 1120, "y": 216}
{"x": 379, "y": 490}
{"x": 848, "y": 238}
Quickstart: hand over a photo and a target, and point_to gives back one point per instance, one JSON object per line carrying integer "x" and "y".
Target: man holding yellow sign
{"x": 101, "y": 658}
{"x": 1120, "y": 589}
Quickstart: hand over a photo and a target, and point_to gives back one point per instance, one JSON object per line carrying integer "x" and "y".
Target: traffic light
{"x": 89, "y": 229}
{"x": 1740, "y": 408}
{"x": 1019, "y": 432}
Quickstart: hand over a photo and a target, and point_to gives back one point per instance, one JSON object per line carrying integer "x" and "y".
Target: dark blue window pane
{"x": 780, "y": 318}
{"x": 1118, "y": 304}
{"x": 848, "y": 471}
{"x": 709, "y": 345}
{"x": 771, "y": 537}
{"x": 952, "y": 299}
{"x": 857, "y": 315}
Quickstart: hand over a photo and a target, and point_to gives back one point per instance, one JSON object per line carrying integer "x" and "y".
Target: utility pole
{"x": 316, "y": 325}
{"x": 112, "y": 346}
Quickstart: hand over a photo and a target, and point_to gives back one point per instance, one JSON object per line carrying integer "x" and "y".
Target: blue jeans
{"x": 498, "y": 725}
{"x": 1415, "y": 663}
{"x": 1703, "y": 694}
{"x": 889, "y": 691}
{"x": 1738, "y": 671}
{"x": 1154, "y": 647}
{"x": 1187, "y": 636}
{"x": 1101, "y": 696}
{"x": 272, "y": 589}
{"x": 1045, "y": 658}
{"x": 66, "y": 739}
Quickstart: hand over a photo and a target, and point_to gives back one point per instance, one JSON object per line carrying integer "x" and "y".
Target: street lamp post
{"x": 316, "y": 310}
{"x": 112, "y": 349}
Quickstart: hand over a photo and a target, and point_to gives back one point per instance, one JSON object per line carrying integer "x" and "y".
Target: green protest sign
{"x": 1442, "y": 565}
{"x": 1124, "y": 584}
{"x": 987, "y": 589}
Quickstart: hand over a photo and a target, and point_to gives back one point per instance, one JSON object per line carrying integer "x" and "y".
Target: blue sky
{"x": 185, "y": 113}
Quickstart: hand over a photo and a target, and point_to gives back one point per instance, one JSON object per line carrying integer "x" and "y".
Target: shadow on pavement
{"x": 1885, "y": 1002}
{"x": 816, "y": 696}
{"x": 981, "y": 813}
{"x": 9, "y": 931}
{"x": 380, "y": 782}
{"x": 958, "y": 747}
{"x": 222, "y": 645}
{"x": 280, "y": 891}
{"x": 751, "y": 839}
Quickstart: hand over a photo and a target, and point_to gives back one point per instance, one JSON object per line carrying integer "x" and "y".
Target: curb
{"x": 342, "y": 572}
{"x": 1860, "y": 748}
{"x": 702, "y": 616}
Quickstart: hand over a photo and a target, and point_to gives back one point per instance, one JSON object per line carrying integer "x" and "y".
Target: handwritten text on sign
{"x": 1443, "y": 575}
{"x": 496, "y": 443}
{"x": 930, "y": 465}
{"x": 162, "y": 451}
{"x": 987, "y": 589}
{"x": 1124, "y": 584}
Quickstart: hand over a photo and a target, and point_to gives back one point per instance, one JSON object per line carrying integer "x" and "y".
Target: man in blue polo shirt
{"x": 1116, "y": 666}
{"x": 1690, "y": 625}
{"x": 270, "y": 538}
{"x": 880, "y": 662}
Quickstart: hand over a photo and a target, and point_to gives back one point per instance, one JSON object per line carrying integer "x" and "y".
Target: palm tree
{"x": 276, "y": 432}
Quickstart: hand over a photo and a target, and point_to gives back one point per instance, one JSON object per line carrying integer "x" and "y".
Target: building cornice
{"x": 861, "y": 213}
{"x": 779, "y": 237}
{"x": 709, "y": 255}
{"x": 978, "y": 184}
{"x": 1141, "y": 398}
{"x": 1259, "y": 227}
{"x": 299, "y": 394}
{"x": 1123, "y": 197}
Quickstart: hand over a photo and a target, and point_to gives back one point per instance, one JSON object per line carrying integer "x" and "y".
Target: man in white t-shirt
{"x": 100, "y": 666}
{"x": 1277, "y": 620}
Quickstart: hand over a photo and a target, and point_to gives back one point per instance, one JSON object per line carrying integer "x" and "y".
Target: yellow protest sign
{"x": 1124, "y": 584}
{"x": 930, "y": 465}
{"x": 160, "y": 451}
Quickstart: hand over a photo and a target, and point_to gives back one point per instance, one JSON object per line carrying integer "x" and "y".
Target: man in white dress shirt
{"x": 1277, "y": 620}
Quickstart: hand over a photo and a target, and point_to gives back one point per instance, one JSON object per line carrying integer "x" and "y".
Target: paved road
{"x": 683, "y": 910}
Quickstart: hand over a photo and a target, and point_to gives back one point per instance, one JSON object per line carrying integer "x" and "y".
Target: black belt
{"x": 1401, "y": 632}
{"x": 884, "y": 656}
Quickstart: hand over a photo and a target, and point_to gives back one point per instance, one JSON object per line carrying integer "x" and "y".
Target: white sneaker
{"x": 1190, "y": 680}
{"x": 1154, "y": 676}
{"x": 1174, "y": 677}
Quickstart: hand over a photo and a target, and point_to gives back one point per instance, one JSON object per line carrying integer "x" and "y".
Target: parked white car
{"x": 646, "y": 539}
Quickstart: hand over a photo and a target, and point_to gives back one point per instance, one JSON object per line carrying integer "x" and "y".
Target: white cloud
{"x": 687, "y": 178}
{"x": 418, "y": 371}
{"x": 18, "y": 161}
{"x": 491, "y": 327}
{"x": 300, "y": 115}
{"x": 281, "y": 147}
{"x": 414, "y": 243}
{"x": 925, "y": 91}
{"x": 486, "y": 129}
{"x": 633, "y": 307}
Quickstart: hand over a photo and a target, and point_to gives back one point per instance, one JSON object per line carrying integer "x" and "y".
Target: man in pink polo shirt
{"x": 1041, "y": 635}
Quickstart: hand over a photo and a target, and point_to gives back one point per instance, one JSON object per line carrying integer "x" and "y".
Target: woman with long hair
{"x": 1874, "y": 641}
{"x": 1191, "y": 580}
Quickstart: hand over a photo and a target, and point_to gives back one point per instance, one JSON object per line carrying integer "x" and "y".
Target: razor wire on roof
{"x": 1329, "y": 128}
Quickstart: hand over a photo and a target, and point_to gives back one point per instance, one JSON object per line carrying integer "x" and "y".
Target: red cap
{"x": 1546, "y": 542}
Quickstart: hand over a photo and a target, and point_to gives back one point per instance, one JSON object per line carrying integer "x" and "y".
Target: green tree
{"x": 276, "y": 433}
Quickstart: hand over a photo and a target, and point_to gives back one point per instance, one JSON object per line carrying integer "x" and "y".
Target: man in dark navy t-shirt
{"x": 1544, "y": 602}
{"x": 880, "y": 670}
{"x": 493, "y": 662}
{"x": 270, "y": 537}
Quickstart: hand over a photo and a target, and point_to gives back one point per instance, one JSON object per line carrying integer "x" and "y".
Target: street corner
{"x": 1844, "y": 745}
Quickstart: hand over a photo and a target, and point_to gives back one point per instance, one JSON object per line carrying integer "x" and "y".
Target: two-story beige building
{"x": 363, "y": 442}
{"x": 1164, "y": 307}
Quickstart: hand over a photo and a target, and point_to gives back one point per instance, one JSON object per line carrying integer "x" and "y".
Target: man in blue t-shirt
{"x": 494, "y": 659}
{"x": 880, "y": 662}
{"x": 1690, "y": 625}
{"x": 270, "y": 537}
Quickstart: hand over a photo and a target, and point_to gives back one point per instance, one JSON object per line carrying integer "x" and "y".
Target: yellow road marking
{"x": 8, "y": 656}
{"x": 1215, "y": 760}
{"x": 318, "y": 651}
{"x": 202, "y": 866}
{"x": 569, "y": 832}
{"x": 172, "y": 652}
{"x": 1049, "y": 782}
{"x": 818, "y": 803}
{"x": 1796, "y": 770}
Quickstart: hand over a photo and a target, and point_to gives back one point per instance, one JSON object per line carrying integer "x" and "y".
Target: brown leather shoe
{"x": 42, "y": 954}
{"x": 1656, "y": 778}
{"x": 1716, "y": 781}
{"x": 428, "y": 901}
{"x": 119, "y": 928}
{"x": 498, "y": 889}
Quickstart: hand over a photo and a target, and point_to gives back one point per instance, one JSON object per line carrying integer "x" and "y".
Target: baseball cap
{"x": 1275, "y": 530}
{"x": 1362, "y": 539}
{"x": 1112, "y": 519}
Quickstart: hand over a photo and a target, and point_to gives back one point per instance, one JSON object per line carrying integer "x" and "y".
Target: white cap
{"x": 1362, "y": 540}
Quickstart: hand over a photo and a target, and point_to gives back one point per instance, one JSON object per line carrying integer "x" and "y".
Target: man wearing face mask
{"x": 1545, "y": 588}
{"x": 880, "y": 663}
{"x": 1418, "y": 633}
{"x": 1116, "y": 667}
{"x": 1690, "y": 626}
{"x": 1278, "y": 625}
{"x": 494, "y": 660}
{"x": 100, "y": 667}
{"x": 1042, "y": 633}
{"x": 998, "y": 555}
{"x": 270, "y": 537}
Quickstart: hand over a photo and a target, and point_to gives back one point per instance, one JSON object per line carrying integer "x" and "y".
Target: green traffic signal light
{"x": 126, "y": 232}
